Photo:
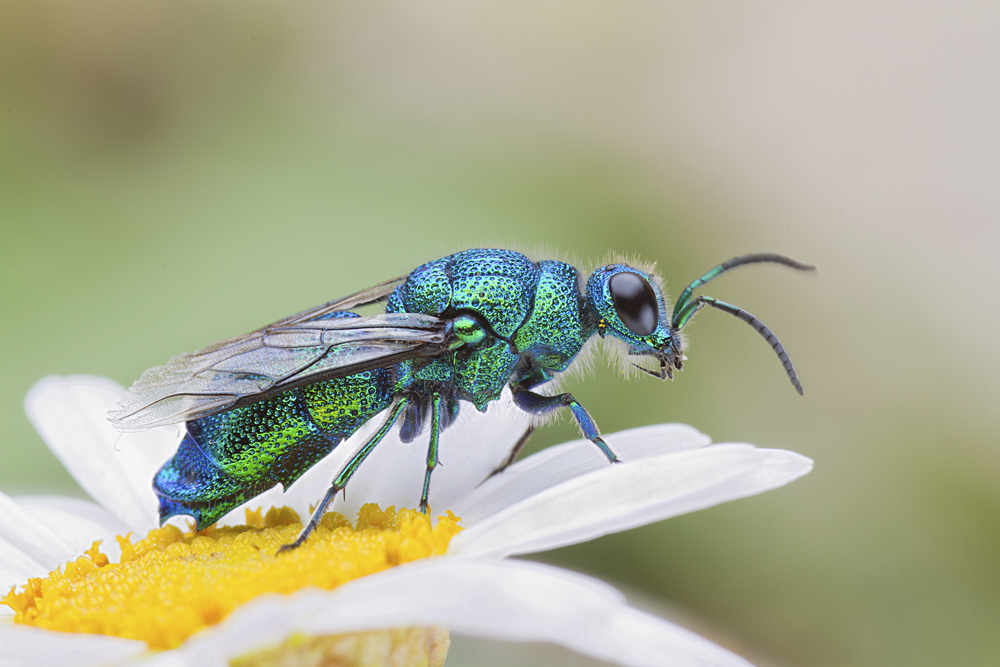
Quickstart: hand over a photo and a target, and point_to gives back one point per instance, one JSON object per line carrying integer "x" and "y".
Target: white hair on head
{"x": 619, "y": 356}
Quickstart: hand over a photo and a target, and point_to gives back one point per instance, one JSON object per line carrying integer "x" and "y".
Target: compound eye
{"x": 635, "y": 302}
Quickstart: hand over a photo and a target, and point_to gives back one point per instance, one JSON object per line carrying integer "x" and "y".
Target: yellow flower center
{"x": 171, "y": 584}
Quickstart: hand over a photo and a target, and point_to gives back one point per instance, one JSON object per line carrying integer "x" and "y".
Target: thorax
{"x": 531, "y": 313}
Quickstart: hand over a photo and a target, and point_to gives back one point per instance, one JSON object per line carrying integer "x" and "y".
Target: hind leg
{"x": 340, "y": 481}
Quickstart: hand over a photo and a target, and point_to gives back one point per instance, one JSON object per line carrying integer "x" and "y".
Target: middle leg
{"x": 432, "y": 448}
{"x": 514, "y": 452}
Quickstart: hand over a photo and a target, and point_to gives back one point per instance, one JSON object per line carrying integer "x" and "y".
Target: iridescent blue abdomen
{"x": 228, "y": 458}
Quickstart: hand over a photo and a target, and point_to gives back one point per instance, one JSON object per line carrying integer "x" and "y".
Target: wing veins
{"x": 246, "y": 369}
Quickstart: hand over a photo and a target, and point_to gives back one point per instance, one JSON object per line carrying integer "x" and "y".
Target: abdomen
{"x": 226, "y": 459}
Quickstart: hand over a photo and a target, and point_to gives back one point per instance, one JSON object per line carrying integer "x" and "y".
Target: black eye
{"x": 635, "y": 303}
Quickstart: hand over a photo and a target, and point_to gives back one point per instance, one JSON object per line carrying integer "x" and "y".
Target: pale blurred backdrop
{"x": 173, "y": 173}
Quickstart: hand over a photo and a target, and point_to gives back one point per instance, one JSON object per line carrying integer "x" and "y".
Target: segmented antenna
{"x": 683, "y": 310}
{"x": 760, "y": 328}
{"x": 686, "y": 307}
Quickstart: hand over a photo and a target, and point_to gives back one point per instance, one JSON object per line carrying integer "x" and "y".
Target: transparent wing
{"x": 289, "y": 353}
{"x": 363, "y": 298}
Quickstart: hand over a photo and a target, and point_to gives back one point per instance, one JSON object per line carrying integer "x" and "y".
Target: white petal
{"x": 511, "y": 601}
{"x": 627, "y": 495}
{"x": 16, "y": 567}
{"x": 23, "y": 533}
{"x": 41, "y": 533}
{"x": 25, "y": 646}
{"x": 78, "y": 522}
{"x": 115, "y": 468}
{"x": 572, "y": 459}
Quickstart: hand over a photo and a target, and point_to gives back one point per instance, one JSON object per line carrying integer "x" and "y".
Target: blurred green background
{"x": 173, "y": 173}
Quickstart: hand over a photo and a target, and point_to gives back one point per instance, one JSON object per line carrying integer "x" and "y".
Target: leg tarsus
{"x": 603, "y": 446}
{"x": 314, "y": 520}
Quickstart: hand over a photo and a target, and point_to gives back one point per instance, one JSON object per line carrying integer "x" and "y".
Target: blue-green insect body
{"x": 262, "y": 409}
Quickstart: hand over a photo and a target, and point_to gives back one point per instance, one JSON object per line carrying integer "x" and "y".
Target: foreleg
{"x": 537, "y": 404}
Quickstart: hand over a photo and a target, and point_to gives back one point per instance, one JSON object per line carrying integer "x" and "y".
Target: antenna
{"x": 686, "y": 307}
{"x": 680, "y": 314}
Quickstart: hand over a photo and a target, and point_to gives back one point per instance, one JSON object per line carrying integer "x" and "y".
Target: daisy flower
{"x": 362, "y": 594}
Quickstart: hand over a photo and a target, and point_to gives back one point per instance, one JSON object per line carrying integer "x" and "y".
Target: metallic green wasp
{"x": 261, "y": 409}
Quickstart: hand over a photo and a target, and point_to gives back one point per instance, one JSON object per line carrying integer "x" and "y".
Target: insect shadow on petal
{"x": 261, "y": 409}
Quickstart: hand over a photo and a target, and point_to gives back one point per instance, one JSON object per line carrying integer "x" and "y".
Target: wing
{"x": 291, "y": 352}
{"x": 363, "y": 298}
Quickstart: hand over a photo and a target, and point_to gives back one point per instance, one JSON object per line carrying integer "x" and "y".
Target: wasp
{"x": 261, "y": 409}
